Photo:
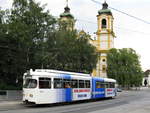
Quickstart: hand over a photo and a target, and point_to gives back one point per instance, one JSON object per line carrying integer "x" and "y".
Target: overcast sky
{"x": 130, "y": 32}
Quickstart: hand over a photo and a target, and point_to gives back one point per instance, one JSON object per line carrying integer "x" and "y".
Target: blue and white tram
{"x": 44, "y": 86}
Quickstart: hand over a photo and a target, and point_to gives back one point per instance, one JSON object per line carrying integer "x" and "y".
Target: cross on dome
{"x": 67, "y": 3}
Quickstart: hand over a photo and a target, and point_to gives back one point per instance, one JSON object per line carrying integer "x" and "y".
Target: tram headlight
{"x": 30, "y": 95}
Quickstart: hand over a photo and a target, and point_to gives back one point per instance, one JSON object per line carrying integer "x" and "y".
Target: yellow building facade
{"x": 104, "y": 40}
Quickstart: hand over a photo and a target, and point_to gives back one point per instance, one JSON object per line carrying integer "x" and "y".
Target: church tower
{"x": 105, "y": 39}
{"x": 66, "y": 20}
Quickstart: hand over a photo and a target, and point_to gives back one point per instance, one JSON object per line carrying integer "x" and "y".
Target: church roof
{"x": 105, "y": 9}
{"x": 66, "y": 13}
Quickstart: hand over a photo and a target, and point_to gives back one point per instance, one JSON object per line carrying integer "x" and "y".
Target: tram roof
{"x": 57, "y": 71}
{"x": 109, "y": 80}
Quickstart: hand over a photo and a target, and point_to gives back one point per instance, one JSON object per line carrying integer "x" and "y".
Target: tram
{"x": 44, "y": 86}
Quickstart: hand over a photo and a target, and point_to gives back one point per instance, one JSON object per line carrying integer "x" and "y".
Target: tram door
{"x": 44, "y": 90}
{"x": 68, "y": 90}
{"x": 97, "y": 90}
{"x": 67, "y": 87}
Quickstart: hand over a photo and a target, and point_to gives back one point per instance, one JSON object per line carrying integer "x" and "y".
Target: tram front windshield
{"x": 30, "y": 83}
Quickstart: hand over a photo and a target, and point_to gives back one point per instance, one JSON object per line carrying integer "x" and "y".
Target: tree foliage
{"x": 30, "y": 38}
{"x": 67, "y": 51}
{"x": 124, "y": 66}
{"x": 26, "y": 29}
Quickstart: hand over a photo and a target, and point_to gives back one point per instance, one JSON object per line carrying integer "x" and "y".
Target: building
{"x": 104, "y": 40}
{"x": 146, "y": 78}
{"x": 66, "y": 20}
{"x": 146, "y": 81}
{"x": 105, "y": 35}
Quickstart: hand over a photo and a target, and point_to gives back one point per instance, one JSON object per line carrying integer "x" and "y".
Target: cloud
{"x": 5, "y": 4}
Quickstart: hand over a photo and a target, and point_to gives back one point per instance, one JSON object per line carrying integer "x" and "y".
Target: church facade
{"x": 105, "y": 36}
{"x": 104, "y": 41}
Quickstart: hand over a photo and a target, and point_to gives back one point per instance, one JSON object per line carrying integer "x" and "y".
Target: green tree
{"x": 4, "y": 50}
{"x": 30, "y": 38}
{"x": 71, "y": 52}
{"x": 124, "y": 66}
{"x": 32, "y": 25}
{"x": 27, "y": 28}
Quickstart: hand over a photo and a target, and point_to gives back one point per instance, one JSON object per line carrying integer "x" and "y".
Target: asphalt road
{"x": 125, "y": 102}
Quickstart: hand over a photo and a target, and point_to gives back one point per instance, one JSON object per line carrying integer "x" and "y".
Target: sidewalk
{"x": 145, "y": 87}
{"x": 140, "y": 88}
{"x": 5, "y": 98}
{"x": 10, "y": 103}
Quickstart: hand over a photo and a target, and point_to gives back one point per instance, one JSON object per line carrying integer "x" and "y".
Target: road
{"x": 125, "y": 102}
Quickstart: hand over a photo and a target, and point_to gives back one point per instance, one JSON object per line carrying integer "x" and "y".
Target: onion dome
{"x": 105, "y": 9}
{"x": 66, "y": 13}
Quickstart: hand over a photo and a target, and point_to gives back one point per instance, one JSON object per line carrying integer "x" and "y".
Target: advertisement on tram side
{"x": 81, "y": 94}
{"x": 110, "y": 92}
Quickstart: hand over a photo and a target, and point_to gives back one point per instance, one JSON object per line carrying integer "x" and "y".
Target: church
{"x": 105, "y": 36}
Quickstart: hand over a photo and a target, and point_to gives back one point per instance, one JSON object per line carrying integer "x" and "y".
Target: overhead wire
{"x": 90, "y": 22}
{"x": 139, "y": 19}
{"x": 117, "y": 27}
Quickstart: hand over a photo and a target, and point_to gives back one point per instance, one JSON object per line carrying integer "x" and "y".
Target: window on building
{"x": 104, "y": 69}
{"x": 103, "y": 23}
{"x": 103, "y": 60}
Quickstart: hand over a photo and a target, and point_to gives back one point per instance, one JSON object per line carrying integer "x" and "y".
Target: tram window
{"x": 74, "y": 83}
{"x": 107, "y": 85}
{"x": 66, "y": 83}
{"x": 81, "y": 84}
{"x": 30, "y": 83}
{"x": 102, "y": 85}
{"x": 44, "y": 83}
{"x": 112, "y": 85}
{"x": 58, "y": 83}
{"x": 87, "y": 83}
{"x": 98, "y": 84}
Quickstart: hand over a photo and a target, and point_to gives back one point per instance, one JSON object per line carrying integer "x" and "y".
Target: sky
{"x": 130, "y": 33}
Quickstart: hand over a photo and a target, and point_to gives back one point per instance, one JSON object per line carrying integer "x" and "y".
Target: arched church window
{"x": 104, "y": 23}
{"x": 103, "y": 60}
{"x": 104, "y": 69}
